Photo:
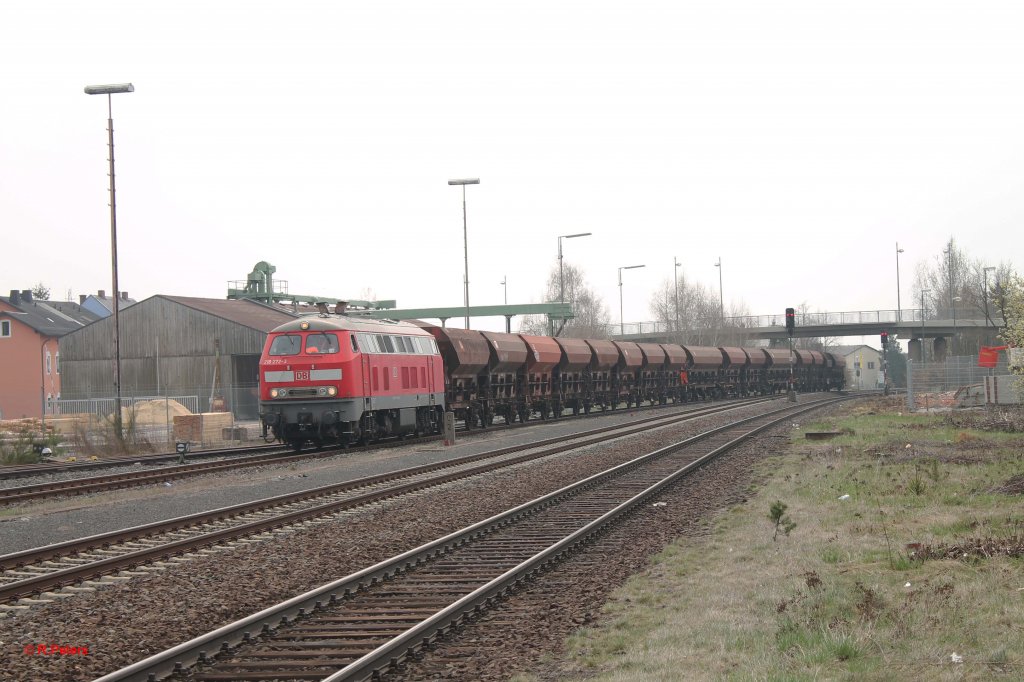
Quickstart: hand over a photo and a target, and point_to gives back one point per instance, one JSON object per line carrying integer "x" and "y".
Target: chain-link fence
{"x": 957, "y": 382}
{"x": 151, "y": 421}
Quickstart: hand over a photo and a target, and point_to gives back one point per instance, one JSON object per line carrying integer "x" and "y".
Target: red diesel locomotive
{"x": 342, "y": 380}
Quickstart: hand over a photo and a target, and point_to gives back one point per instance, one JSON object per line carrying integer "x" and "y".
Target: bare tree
{"x": 591, "y": 318}
{"x": 956, "y": 285}
{"x": 699, "y": 319}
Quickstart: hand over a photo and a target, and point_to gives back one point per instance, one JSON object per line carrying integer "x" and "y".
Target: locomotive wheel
{"x": 296, "y": 445}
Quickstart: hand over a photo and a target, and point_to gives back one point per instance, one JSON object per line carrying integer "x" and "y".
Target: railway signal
{"x": 790, "y": 328}
{"x": 885, "y": 340}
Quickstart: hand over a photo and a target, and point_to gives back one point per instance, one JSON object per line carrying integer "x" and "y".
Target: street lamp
{"x": 948, "y": 252}
{"x": 721, "y": 298}
{"x": 508, "y": 318}
{"x": 675, "y": 278}
{"x": 108, "y": 90}
{"x": 923, "y": 292}
{"x": 622, "y": 326}
{"x": 465, "y": 243}
{"x": 899, "y": 307}
{"x": 561, "y": 279}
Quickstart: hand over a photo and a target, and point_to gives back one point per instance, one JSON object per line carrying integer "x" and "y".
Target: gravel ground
{"x": 35, "y": 524}
{"x": 124, "y": 623}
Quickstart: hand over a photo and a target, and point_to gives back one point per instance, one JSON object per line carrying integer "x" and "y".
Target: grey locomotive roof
{"x": 49, "y": 318}
{"x": 247, "y": 313}
{"x": 324, "y": 323}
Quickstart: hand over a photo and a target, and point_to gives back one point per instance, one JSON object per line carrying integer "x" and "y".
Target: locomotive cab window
{"x": 322, "y": 344}
{"x": 355, "y": 346}
{"x": 286, "y": 344}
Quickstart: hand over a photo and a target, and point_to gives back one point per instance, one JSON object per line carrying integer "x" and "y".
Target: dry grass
{"x": 843, "y": 596}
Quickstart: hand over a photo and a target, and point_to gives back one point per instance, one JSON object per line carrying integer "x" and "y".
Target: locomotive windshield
{"x": 286, "y": 344}
{"x": 322, "y": 343}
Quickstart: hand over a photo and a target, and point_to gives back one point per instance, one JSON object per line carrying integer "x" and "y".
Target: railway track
{"x": 370, "y": 622}
{"x": 34, "y": 575}
{"x": 78, "y": 486}
{"x": 235, "y": 458}
{"x": 12, "y": 471}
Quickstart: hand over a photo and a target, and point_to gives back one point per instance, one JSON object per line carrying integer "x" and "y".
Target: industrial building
{"x": 175, "y": 346}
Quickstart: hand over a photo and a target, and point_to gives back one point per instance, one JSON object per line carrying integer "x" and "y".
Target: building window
{"x": 871, "y": 365}
{"x": 58, "y": 363}
{"x": 5, "y": 328}
{"x": 48, "y": 362}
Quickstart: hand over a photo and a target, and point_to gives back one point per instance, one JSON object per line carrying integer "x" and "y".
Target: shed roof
{"x": 107, "y": 302}
{"x": 847, "y": 351}
{"x": 49, "y": 318}
{"x": 247, "y": 313}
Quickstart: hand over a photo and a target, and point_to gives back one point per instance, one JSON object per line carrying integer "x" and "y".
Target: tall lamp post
{"x": 675, "y": 279}
{"x": 899, "y": 306}
{"x": 952, "y": 302}
{"x": 622, "y": 325}
{"x": 721, "y": 298}
{"x": 923, "y": 292}
{"x": 108, "y": 90}
{"x": 465, "y": 242}
{"x": 561, "y": 277}
{"x": 508, "y": 318}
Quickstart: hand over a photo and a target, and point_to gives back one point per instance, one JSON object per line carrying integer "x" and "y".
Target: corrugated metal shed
{"x": 170, "y": 345}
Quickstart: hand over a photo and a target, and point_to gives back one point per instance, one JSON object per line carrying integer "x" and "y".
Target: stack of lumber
{"x": 207, "y": 427}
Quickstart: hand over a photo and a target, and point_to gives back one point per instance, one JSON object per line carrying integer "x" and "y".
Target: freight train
{"x": 335, "y": 379}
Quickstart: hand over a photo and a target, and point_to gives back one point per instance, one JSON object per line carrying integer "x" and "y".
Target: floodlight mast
{"x": 465, "y": 242}
{"x": 622, "y": 324}
{"x": 108, "y": 90}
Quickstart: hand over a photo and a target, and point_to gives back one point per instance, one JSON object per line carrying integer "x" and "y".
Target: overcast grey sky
{"x": 797, "y": 140}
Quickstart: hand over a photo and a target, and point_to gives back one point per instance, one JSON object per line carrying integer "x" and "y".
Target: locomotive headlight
{"x": 278, "y": 392}
{"x": 273, "y": 392}
{"x": 332, "y": 391}
{"x": 322, "y": 390}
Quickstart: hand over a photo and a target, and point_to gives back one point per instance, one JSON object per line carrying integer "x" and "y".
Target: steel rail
{"x": 12, "y": 471}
